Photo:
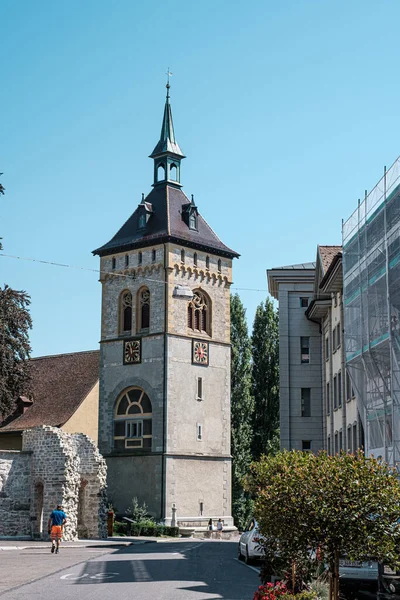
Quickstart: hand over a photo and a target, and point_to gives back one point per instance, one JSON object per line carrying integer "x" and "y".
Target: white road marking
{"x": 248, "y": 566}
{"x": 73, "y": 577}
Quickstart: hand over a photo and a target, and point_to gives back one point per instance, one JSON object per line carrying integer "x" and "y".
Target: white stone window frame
{"x": 199, "y": 302}
{"x": 199, "y": 389}
{"x": 134, "y": 429}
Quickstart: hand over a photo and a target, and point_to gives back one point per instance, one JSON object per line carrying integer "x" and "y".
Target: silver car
{"x": 249, "y": 547}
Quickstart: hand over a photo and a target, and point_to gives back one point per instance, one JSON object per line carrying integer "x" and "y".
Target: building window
{"x": 133, "y": 420}
{"x": 328, "y": 399}
{"x": 182, "y": 256}
{"x": 192, "y": 220}
{"x": 355, "y": 438}
{"x": 199, "y": 313}
{"x": 334, "y": 340}
{"x": 348, "y": 387}
{"x": 143, "y": 311}
{"x": 338, "y": 335}
{"x": 339, "y": 384}
{"x": 153, "y": 255}
{"x": 142, "y": 221}
{"x": 195, "y": 259}
{"x": 349, "y": 448}
{"x": 140, "y": 258}
{"x": 199, "y": 428}
{"x": 305, "y": 349}
{"x": 207, "y": 262}
{"x": 303, "y": 302}
{"x": 305, "y": 402}
{"x": 125, "y": 311}
{"x": 113, "y": 263}
{"x": 336, "y": 443}
{"x": 199, "y": 392}
{"x": 340, "y": 441}
{"x": 306, "y": 445}
{"x": 335, "y": 393}
{"x": 327, "y": 348}
{"x": 127, "y": 260}
{"x": 219, "y": 265}
{"x": 329, "y": 450}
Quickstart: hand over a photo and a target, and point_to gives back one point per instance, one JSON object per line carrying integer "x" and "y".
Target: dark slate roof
{"x": 165, "y": 224}
{"x": 60, "y": 384}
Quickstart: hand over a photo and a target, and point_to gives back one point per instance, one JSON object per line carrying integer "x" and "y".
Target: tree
{"x": 15, "y": 322}
{"x": 265, "y": 377}
{"x": 242, "y": 406}
{"x": 334, "y": 505}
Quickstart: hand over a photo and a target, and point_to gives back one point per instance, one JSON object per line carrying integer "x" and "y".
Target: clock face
{"x": 200, "y": 353}
{"x": 132, "y": 352}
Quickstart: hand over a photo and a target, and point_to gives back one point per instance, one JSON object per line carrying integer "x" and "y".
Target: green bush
{"x": 172, "y": 531}
{"x": 120, "y": 528}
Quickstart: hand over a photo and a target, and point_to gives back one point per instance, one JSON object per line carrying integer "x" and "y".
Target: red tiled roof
{"x": 60, "y": 383}
{"x": 327, "y": 254}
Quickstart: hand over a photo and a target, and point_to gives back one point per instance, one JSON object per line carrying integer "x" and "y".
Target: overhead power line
{"x": 100, "y": 272}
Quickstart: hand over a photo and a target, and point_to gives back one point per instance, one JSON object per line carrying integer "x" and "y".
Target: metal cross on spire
{"x": 168, "y": 74}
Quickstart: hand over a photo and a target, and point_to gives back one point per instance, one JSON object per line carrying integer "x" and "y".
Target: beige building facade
{"x": 342, "y": 430}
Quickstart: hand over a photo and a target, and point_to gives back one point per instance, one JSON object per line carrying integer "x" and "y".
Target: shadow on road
{"x": 208, "y": 568}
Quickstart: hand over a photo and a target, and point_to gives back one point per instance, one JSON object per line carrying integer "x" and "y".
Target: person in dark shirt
{"x": 55, "y": 526}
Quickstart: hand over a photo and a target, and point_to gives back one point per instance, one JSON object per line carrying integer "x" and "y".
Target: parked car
{"x": 249, "y": 547}
{"x": 357, "y": 577}
{"x": 388, "y": 583}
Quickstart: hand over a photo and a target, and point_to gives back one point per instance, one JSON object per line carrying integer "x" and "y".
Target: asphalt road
{"x": 180, "y": 570}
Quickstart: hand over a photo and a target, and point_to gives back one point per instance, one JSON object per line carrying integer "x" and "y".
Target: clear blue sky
{"x": 286, "y": 111}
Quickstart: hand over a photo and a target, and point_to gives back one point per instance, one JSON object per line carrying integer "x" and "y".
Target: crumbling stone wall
{"x": 15, "y": 484}
{"x": 54, "y": 468}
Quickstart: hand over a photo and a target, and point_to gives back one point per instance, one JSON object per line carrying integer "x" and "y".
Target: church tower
{"x": 164, "y": 415}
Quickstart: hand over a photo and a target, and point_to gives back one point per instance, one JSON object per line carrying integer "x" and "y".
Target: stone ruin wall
{"x": 54, "y": 467}
{"x": 15, "y": 484}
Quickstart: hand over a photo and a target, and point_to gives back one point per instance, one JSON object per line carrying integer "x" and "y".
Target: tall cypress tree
{"x": 15, "y": 322}
{"x": 265, "y": 378}
{"x": 242, "y": 407}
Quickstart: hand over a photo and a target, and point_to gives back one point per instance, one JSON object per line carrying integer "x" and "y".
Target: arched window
{"x": 160, "y": 172}
{"x": 173, "y": 172}
{"x": 195, "y": 259}
{"x": 132, "y": 420}
{"x": 126, "y": 312}
{"x": 182, "y": 256}
{"x": 207, "y": 262}
{"x": 142, "y": 221}
{"x": 199, "y": 313}
{"x": 193, "y": 220}
{"x": 143, "y": 309}
{"x": 219, "y": 265}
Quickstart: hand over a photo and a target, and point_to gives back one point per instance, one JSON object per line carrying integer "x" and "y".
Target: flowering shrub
{"x": 269, "y": 591}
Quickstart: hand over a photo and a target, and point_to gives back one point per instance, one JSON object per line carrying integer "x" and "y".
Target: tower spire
{"x": 167, "y": 153}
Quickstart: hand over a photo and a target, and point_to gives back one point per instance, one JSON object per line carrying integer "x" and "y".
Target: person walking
{"x": 55, "y": 527}
{"x": 209, "y": 528}
{"x": 219, "y": 529}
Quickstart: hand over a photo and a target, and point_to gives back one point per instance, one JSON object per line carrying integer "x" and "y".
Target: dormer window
{"x": 142, "y": 221}
{"x": 193, "y": 220}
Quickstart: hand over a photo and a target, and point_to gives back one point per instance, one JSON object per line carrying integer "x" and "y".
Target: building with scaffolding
{"x": 371, "y": 281}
